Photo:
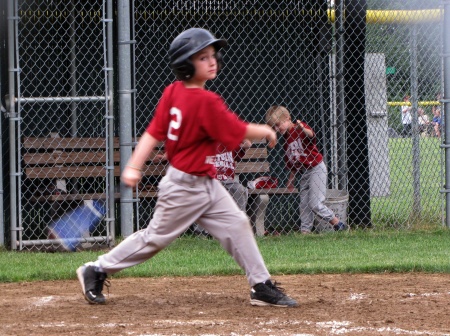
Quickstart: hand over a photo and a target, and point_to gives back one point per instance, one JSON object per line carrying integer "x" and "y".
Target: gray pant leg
{"x": 306, "y": 215}
{"x": 231, "y": 227}
{"x": 313, "y": 193}
{"x": 238, "y": 192}
{"x": 179, "y": 204}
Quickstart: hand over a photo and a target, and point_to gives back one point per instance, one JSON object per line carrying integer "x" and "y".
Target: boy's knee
{"x": 243, "y": 218}
{"x": 242, "y": 222}
{"x": 315, "y": 206}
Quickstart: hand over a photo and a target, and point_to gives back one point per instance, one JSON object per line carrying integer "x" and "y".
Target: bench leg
{"x": 258, "y": 207}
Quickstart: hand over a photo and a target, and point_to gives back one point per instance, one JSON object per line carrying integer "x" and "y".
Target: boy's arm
{"x": 309, "y": 133}
{"x": 258, "y": 132}
{"x": 245, "y": 144}
{"x": 239, "y": 153}
{"x": 132, "y": 173}
{"x": 160, "y": 157}
{"x": 290, "y": 181}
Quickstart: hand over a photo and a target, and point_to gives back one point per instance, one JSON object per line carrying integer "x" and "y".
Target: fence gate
{"x": 60, "y": 117}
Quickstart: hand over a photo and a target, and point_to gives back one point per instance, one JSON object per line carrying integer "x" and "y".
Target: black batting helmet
{"x": 187, "y": 44}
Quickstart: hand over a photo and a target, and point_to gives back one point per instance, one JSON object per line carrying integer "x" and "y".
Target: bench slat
{"x": 69, "y": 158}
{"x": 66, "y": 143}
{"x": 84, "y": 171}
{"x": 252, "y": 167}
{"x": 255, "y": 153}
{"x": 59, "y": 172}
{"x": 44, "y": 143}
{"x": 272, "y": 191}
{"x": 143, "y": 194}
{"x": 85, "y": 197}
{"x": 60, "y": 158}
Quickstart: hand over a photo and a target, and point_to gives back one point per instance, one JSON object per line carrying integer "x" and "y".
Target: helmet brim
{"x": 217, "y": 43}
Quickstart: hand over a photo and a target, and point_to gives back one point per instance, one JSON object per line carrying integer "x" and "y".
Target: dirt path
{"x": 382, "y": 304}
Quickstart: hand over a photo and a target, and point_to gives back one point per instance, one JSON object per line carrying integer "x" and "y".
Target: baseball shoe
{"x": 92, "y": 283}
{"x": 269, "y": 294}
{"x": 340, "y": 227}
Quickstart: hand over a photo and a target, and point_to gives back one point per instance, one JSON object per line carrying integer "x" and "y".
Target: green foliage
{"x": 354, "y": 252}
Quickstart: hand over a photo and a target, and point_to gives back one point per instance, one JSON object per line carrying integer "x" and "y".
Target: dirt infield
{"x": 382, "y": 304}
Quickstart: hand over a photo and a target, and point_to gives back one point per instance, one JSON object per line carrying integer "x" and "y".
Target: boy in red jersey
{"x": 302, "y": 158}
{"x": 192, "y": 121}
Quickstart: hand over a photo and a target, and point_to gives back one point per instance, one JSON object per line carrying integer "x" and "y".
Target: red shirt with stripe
{"x": 192, "y": 122}
{"x": 301, "y": 151}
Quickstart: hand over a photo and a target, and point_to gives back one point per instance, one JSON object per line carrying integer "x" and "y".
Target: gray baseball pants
{"x": 238, "y": 192}
{"x": 312, "y": 196}
{"x": 182, "y": 200}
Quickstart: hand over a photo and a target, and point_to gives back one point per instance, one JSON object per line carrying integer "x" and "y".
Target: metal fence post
{"x": 2, "y": 215}
{"x": 417, "y": 209}
{"x": 109, "y": 93}
{"x": 446, "y": 101}
{"x": 125, "y": 111}
{"x": 341, "y": 122}
{"x": 12, "y": 116}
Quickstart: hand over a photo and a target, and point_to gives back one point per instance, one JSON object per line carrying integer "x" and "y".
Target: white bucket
{"x": 337, "y": 201}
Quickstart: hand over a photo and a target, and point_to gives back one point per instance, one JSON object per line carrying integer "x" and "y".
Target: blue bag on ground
{"x": 71, "y": 227}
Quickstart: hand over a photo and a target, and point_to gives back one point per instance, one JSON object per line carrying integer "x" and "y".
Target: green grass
{"x": 397, "y": 210}
{"x": 354, "y": 252}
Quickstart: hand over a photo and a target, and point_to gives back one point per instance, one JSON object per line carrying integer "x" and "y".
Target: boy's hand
{"x": 290, "y": 186}
{"x": 300, "y": 125}
{"x": 271, "y": 137}
{"x": 131, "y": 176}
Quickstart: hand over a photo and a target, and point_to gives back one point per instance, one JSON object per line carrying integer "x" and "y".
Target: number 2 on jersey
{"x": 174, "y": 123}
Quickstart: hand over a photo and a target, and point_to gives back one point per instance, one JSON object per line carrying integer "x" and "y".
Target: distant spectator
{"x": 424, "y": 122}
{"x": 437, "y": 121}
{"x": 406, "y": 117}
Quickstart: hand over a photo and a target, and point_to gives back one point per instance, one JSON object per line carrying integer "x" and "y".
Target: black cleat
{"x": 92, "y": 283}
{"x": 269, "y": 294}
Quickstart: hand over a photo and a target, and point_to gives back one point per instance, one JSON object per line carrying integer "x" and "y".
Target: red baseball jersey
{"x": 192, "y": 122}
{"x": 225, "y": 162}
{"x": 301, "y": 151}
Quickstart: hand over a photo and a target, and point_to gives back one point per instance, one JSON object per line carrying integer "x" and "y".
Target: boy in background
{"x": 303, "y": 159}
{"x": 225, "y": 164}
{"x": 191, "y": 121}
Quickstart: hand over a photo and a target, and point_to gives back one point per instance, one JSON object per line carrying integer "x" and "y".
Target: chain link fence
{"x": 412, "y": 49}
{"x": 58, "y": 117}
{"x": 84, "y": 79}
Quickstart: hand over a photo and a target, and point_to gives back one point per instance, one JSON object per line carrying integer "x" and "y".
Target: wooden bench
{"x": 84, "y": 159}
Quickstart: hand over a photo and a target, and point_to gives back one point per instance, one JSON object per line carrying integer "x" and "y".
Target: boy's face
{"x": 205, "y": 64}
{"x": 282, "y": 125}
